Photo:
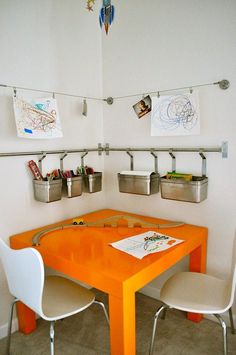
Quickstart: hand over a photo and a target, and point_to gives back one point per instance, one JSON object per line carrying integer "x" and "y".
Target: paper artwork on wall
{"x": 176, "y": 115}
{"x": 142, "y": 107}
{"x": 38, "y": 119}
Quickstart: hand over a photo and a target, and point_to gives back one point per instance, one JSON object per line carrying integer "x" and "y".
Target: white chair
{"x": 199, "y": 293}
{"x": 52, "y": 297}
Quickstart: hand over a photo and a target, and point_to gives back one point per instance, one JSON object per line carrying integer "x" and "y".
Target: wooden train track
{"x": 114, "y": 221}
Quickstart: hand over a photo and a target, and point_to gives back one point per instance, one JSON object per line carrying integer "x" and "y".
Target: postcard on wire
{"x": 146, "y": 243}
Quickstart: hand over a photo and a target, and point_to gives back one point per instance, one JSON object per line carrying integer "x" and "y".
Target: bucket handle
{"x": 40, "y": 162}
{"x": 173, "y": 160}
{"x": 61, "y": 160}
{"x": 82, "y": 157}
{"x": 155, "y": 161}
{"x": 203, "y": 162}
{"x": 131, "y": 159}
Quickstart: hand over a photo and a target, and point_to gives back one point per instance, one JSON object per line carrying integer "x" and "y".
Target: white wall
{"x": 47, "y": 45}
{"x": 158, "y": 45}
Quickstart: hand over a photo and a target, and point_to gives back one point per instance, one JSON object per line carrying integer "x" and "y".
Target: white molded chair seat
{"x": 199, "y": 293}
{"x": 195, "y": 292}
{"x": 52, "y": 297}
{"x": 62, "y": 296}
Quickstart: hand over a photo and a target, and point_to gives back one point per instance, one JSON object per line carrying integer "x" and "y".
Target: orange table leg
{"x": 122, "y": 324}
{"x": 197, "y": 263}
{"x": 26, "y": 318}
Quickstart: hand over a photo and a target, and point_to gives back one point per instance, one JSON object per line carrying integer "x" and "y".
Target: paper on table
{"x": 145, "y": 243}
{"x": 136, "y": 172}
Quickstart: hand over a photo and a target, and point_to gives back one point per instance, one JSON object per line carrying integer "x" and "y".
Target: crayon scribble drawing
{"x": 38, "y": 119}
{"x": 146, "y": 243}
{"x": 175, "y": 115}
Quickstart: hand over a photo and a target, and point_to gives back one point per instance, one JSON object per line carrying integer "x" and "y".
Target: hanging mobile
{"x": 106, "y": 15}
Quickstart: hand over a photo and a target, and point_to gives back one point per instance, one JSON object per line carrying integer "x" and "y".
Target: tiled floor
{"x": 87, "y": 333}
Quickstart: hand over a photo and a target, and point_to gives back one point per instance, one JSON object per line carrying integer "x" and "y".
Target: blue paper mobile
{"x": 106, "y": 15}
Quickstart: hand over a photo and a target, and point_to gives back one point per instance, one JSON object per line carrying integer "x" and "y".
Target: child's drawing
{"x": 146, "y": 243}
{"x": 38, "y": 119}
{"x": 175, "y": 115}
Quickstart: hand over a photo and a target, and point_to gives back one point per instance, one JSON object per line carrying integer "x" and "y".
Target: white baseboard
{"x": 4, "y": 328}
{"x": 151, "y": 292}
{"x": 155, "y": 293}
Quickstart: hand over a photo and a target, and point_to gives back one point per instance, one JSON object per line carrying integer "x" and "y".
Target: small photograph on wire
{"x": 143, "y": 107}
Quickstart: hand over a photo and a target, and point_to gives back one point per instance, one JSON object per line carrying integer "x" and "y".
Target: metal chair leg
{"x": 163, "y": 314}
{"x": 159, "y": 311}
{"x": 52, "y": 333}
{"x": 104, "y": 310}
{"x": 224, "y": 328}
{"x": 9, "y": 327}
{"x": 231, "y": 321}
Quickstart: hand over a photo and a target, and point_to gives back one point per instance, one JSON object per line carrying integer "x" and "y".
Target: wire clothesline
{"x": 14, "y": 87}
{"x": 223, "y": 84}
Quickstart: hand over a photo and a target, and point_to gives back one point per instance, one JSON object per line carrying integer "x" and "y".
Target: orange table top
{"x": 86, "y": 254}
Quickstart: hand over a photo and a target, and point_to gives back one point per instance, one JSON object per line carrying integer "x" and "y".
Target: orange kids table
{"x": 85, "y": 254}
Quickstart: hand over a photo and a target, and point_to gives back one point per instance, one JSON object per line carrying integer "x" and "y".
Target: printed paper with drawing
{"x": 146, "y": 243}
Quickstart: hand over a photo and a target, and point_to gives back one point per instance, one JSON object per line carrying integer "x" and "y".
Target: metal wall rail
{"x": 47, "y": 152}
{"x": 209, "y": 150}
{"x": 223, "y": 149}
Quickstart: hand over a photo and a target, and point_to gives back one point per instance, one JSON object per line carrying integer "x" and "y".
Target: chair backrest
{"x": 233, "y": 274}
{"x": 24, "y": 271}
